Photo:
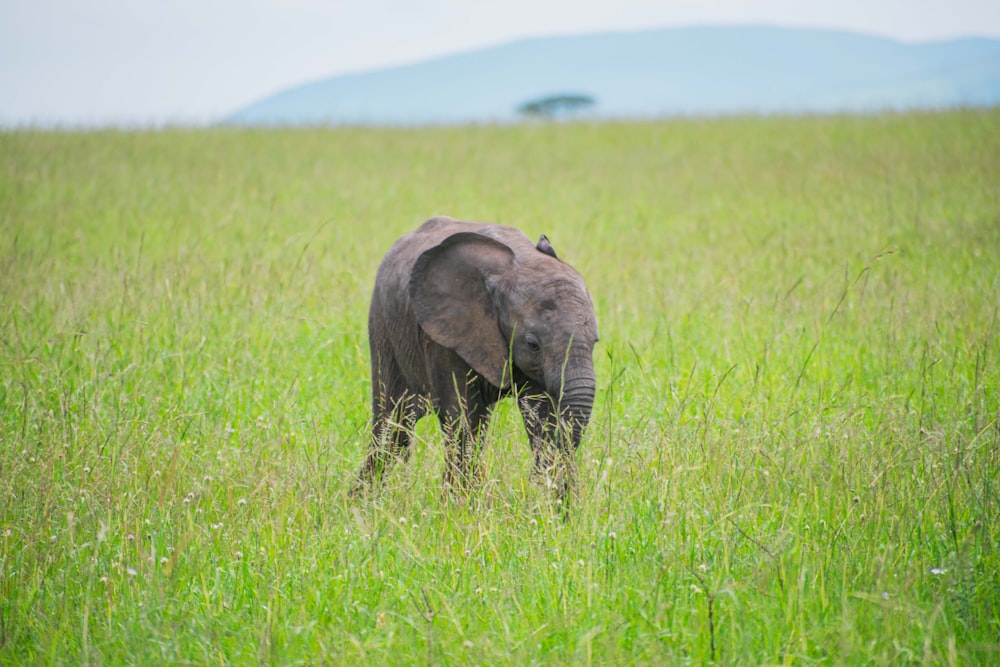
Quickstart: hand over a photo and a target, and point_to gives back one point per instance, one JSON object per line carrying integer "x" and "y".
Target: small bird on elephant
{"x": 462, "y": 315}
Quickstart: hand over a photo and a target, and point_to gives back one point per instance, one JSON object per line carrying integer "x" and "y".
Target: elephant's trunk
{"x": 573, "y": 392}
{"x": 576, "y": 398}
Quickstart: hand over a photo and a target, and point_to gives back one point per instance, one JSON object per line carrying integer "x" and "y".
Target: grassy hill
{"x": 794, "y": 451}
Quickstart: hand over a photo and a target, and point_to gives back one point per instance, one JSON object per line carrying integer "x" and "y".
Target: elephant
{"x": 462, "y": 315}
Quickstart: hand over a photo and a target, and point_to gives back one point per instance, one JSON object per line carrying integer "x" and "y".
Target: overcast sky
{"x": 99, "y": 62}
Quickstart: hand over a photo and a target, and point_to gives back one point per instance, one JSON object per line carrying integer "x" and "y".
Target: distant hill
{"x": 683, "y": 71}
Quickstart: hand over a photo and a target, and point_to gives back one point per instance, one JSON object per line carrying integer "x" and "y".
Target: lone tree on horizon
{"x": 556, "y": 105}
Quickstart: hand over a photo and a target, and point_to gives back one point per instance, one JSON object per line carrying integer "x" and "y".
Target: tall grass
{"x": 793, "y": 457}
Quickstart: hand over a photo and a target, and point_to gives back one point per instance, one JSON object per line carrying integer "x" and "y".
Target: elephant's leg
{"x": 395, "y": 411}
{"x": 542, "y": 428}
{"x": 390, "y": 442}
{"x": 463, "y": 405}
{"x": 463, "y": 425}
{"x": 554, "y": 464}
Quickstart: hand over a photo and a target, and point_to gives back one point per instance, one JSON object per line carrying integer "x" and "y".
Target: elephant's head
{"x": 511, "y": 317}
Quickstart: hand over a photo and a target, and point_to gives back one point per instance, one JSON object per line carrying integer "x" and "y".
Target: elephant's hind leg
{"x": 390, "y": 442}
{"x": 395, "y": 411}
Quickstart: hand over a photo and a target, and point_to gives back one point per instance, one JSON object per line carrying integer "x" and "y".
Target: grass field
{"x": 794, "y": 456}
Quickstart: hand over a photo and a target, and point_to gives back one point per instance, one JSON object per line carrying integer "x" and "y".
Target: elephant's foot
{"x": 556, "y": 471}
{"x": 380, "y": 459}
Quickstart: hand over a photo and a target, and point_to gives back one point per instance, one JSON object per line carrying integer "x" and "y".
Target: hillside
{"x": 704, "y": 70}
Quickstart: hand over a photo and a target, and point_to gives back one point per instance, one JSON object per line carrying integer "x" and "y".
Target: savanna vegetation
{"x": 794, "y": 456}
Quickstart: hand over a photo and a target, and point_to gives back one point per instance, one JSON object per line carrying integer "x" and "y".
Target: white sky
{"x": 139, "y": 62}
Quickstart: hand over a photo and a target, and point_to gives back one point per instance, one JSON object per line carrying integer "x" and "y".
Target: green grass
{"x": 794, "y": 456}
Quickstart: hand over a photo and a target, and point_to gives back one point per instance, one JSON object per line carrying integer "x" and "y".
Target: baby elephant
{"x": 463, "y": 314}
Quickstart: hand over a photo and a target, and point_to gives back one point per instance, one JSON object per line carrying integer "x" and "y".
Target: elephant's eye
{"x": 532, "y": 343}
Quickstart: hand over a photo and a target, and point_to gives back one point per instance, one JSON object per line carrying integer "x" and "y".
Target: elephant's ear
{"x": 452, "y": 299}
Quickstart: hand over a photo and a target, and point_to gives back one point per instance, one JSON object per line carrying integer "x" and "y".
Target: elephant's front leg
{"x": 464, "y": 424}
{"x": 554, "y": 465}
{"x": 463, "y": 407}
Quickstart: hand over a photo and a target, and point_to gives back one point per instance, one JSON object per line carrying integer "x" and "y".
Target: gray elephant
{"x": 463, "y": 314}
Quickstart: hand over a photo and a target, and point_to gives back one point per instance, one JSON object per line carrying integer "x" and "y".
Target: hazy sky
{"x": 87, "y": 62}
